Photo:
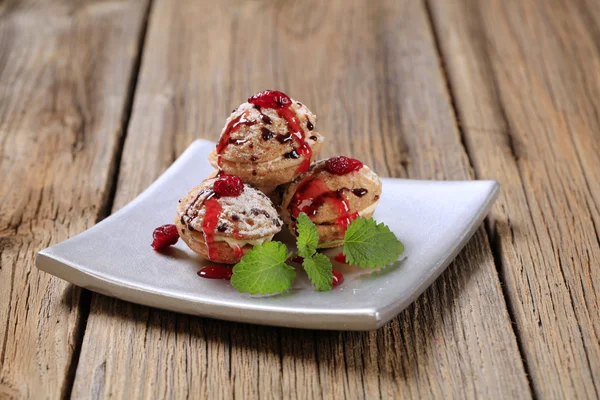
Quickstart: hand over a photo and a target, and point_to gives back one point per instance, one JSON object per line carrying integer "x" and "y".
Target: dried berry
{"x": 228, "y": 185}
{"x": 270, "y": 99}
{"x": 341, "y": 165}
{"x": 164, "y": 236}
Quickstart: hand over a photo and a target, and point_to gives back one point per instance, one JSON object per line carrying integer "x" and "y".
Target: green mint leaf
{"x": 369, "y": 244}
{"x": 308, "y": 236}
{"x": 263, "y": 270}
{"x": 318, "y": 268}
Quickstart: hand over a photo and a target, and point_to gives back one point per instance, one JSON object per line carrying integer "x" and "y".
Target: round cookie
{"x": 268, "y": 141}
{"x": 332, "y": 193}
{"x": 222, "y": 218}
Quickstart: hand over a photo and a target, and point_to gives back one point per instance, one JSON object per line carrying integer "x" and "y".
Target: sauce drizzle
{"x": 312, "y": 193}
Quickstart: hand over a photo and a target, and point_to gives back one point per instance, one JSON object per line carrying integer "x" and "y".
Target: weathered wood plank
{"x": 65, "y": 69}
{"x": 372, "y": 74}
{"x": 526, "y": 80}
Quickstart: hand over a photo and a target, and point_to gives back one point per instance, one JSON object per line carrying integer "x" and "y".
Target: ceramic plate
{"x": 433, "y": 219}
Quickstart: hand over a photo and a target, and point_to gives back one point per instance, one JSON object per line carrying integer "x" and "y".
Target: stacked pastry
{"x": 266, "y": 153}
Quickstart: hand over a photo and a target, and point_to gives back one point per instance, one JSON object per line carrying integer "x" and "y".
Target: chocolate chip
{"x": 265, "y": 119}
{"x": 235, "y": 217}
{"x": 314, "y": 138}
{"x": 284, "y": 138}
{"x": 360, "y": 192}
{"x": 267, "y": 134}
{"x": 222, "y": 227}
{"x": 310, "y": 126}
{"x": 292, "y": 154}
{"x": 253, "y": 158}
{"x": 254, "y": 172}
{"x": 258, "y": 211}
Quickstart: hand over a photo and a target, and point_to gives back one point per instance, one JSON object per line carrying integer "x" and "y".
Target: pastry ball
{"x": 268, "y": 141}
{"x": 332, "y": 193}
{"x": 222, "y": 218}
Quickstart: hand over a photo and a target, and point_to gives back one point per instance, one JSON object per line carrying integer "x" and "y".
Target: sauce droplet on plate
{"x": 216, "y": 272}
{"x": 338, "y": 278}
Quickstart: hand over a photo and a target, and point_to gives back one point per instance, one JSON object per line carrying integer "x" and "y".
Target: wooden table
{"x": 97, "y": 98}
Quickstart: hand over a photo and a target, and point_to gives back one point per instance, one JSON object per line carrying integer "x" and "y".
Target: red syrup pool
{"x": 216, "y": 272}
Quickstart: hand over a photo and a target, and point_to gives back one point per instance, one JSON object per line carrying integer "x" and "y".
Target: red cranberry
{"x": 341, "y": 165}
{"x": 228, "y": 185}
{"x": 165, "y": 236}
{"x": 270, "y": 99}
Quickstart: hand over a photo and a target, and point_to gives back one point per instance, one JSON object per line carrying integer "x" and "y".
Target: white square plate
{"x": 433, "y": 219}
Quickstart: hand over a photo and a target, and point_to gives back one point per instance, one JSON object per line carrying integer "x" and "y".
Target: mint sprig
{"x": 317, "y": 266}
{"x": 263, "y": 270}
{"x": 319, "y": 271}
{"x": 308, "y": 236}
{"x": 369, "y": 244}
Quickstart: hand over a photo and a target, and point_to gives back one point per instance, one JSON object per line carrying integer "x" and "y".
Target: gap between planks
{"x": 107, "y": 203}
{"x": 491, "y": 234}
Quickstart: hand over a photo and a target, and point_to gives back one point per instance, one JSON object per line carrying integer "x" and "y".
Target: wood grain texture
{"x": 371, "y": 72}
{"x": 526, "y": 77}
{"x": 64, "y": 73}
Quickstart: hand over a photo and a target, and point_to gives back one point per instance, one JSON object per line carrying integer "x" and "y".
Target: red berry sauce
{"x": 209, "y": 225}
{"x": 238, "y": 251}
{"x": 281, "y": 103}
{"x": 338, "y": 278}
{"x": 341, "y": 165}
{"x": 297, "y": 260}
{"x": 216, "y": 272}
{"x": 232, "y": 127}
{"x": 164, "y": 236}
{"x": 340, "y": 258}
{"x": 271, "y": 99}
{"x": 312, "y": 193}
